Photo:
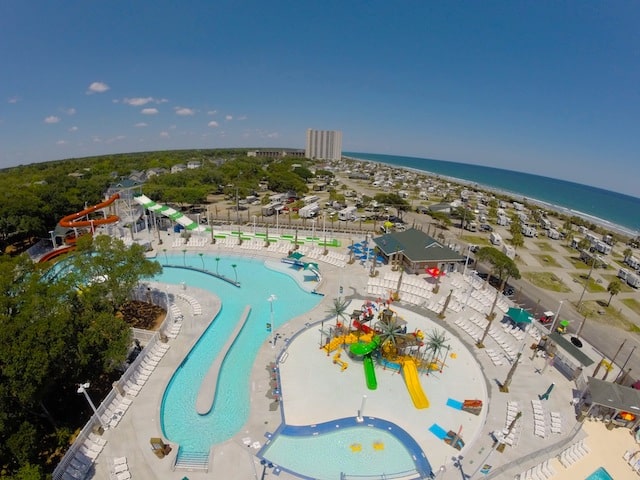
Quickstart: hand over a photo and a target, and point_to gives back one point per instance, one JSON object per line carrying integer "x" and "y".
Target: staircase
{"x": 192, "y": 461}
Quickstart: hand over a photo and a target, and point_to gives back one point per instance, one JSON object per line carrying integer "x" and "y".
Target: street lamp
{"x": 82, "y": 388}
{"x": 555, "y": 317}
{"x": 586, "y": 283}
{"x": 272, "y": 298}
{"x": 466, "y": 262}
{"x": 254, "y": 224}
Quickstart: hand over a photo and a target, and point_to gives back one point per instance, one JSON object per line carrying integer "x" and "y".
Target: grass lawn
{"x": 633, "y": 304}
{"x": 545, "y": 247}
{"x": 546, "y": 259}
{"x": 546, "y": 280}
{"x": 597, "y": 311}
{"x": 473, "y": 240}
{"x": 623, "y": 286}
{"x": 578, "y": 264}
{"x": 569, "y": 249}
{"x": 592, "y": 286}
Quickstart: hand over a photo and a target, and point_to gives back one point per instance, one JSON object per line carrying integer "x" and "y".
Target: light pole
{"x": 555, "y": 317}
{"x": 272, "y": 298}
{"x": 464, "y": 272}
{"x": 360, "y": 417}
{"x": 82, "y": 388}
{"x": 586, "y": 283}
{"x": 254, "y": 224}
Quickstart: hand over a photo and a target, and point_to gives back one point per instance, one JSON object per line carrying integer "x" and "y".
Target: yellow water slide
{"x": 410, "y": 374}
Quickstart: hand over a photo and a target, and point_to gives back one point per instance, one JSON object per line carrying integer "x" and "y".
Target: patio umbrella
{"x": 435, "y": 272}
{"x": 519, "y": 315}
{"x": 296, "y": 255}
{"x": 564, "y": 323}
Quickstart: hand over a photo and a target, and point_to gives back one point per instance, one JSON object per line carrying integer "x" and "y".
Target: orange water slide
{"x": 73, "y": 220}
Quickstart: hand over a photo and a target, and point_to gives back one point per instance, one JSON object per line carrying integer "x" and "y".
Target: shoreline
{"x": 559, "y": 209}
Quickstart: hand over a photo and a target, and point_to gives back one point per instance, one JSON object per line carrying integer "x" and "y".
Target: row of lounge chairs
{"x": 120, "y": 469}
{"x": 542, "y": 471}
{"x": 196, "y": 308}
{"x": 142, "y": 373}
{"x": 539, "y": 424}
{"x": 573, "y": 453}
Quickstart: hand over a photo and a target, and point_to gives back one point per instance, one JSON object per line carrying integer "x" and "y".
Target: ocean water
{"x": 595, "y": 204}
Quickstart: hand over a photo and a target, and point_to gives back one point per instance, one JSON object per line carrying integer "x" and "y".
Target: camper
{"x": 553, "y": 234}
{"x": 623, "y": 273}
{"x": 633, "y": 280}
{"x": 270, "y": 209}
{"x": 471, "y": 226}
{"x": 529, "y": 231}
{"x": 603, "y": 248}
{"x": 348, "y": 213}
{"x": 309, "y": 211}
{"x": 495, "y": 238}
{"x": 509, "y": 251}
{"x": 545, "y": 223}
{"x": 503, "y": 220}
{"x": 633, "y": 262}
{"x": 308, "y": 200}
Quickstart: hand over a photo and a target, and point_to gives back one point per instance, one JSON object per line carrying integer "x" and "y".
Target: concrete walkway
{"x": 471, "y": 374}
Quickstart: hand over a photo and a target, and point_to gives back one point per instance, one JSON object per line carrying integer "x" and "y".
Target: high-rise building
{"x": 324, "y": 144}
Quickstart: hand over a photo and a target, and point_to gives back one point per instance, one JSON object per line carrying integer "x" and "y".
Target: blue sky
{"x": 551, "y": 88}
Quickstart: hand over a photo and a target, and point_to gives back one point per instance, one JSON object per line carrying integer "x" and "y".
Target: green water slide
{"x": 369, "y": 372}
{"x": 365, "y": 350}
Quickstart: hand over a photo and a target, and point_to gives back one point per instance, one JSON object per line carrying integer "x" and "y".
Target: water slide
{"x": 410, "y": 374}
{"x": 365, "y": 350}
{"x": 73, "y": 220}
{"x": 171, "y": 213}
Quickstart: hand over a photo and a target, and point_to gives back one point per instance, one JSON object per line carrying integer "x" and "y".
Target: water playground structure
{"x": 387, "y": 343}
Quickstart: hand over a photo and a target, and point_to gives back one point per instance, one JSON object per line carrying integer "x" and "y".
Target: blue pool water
{"x": 328, "y": 455}
{"x": 180, "y": 421}
{"x": 600, "y": 474}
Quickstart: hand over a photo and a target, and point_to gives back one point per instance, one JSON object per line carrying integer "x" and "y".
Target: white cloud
{"x": 96, "y": 139}
{"x": 69, "y": 111}
{"x": 273, "y": 135}
{"x": 137, "y": 101}
{"x": 97, "y": 87}
{"x": 243, "y": 117}
{"x": 73, "y": 129}
{"x": 228, "y": 118}
{"x": 13, "y": 99}
{"x": 61, "y": 142}
{"x": 141, "y": 124}
{"x": 213, "y": 124}
{"x": 52, "y": 119}
{"x": 172, "y": 127}
{"x": 184, "y": 111}
{"x": 115, "y": 139}
{"x": 164, "y": 134}
{"x": 149, "y": 111}
{"x": 212, "y": 112}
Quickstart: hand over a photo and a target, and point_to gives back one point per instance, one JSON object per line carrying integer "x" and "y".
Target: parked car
{"x": 485, "y": 227}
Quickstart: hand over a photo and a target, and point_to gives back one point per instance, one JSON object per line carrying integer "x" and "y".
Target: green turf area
{"x": 592, "y": 287}
{"x": 547, "y": 281}
{"x": 632, "y": 303}
{"x": 545, "y": 247}
{"x": 624, "y": 288}
{"x": 598, "y": 311}
{"x": 546, "y": 260}
{"x": 578, "y": 264}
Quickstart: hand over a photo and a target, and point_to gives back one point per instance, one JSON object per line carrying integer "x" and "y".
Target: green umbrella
{"x": 519, "y": 315}
{"x": 564, "y": 323}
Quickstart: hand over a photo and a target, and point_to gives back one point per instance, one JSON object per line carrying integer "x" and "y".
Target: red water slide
{"x": 72, "y": 221}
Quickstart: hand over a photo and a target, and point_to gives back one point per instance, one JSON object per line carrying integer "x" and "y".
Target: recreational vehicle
{"x": 503, "y": 220}
{"x": 495, "y": 238}
{"x": 633, "y": 262}
{"x": 308, "y": 200}
{"x": 309, "y": 211}
{"x": 553, "y": 234}
{"x": 603, "y": 248}
{"x": 623, "y": 273}
{"x": 348, "y": 213}
{"x": 509, "y": 251}
{"x": 528, "y": 231}
{"x": 633, "y": 280}
{"x": 270, "y": 209}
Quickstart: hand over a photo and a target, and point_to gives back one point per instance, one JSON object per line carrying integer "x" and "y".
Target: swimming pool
{"x": 600, "y": 474}
{"x": 180, "y": 421}
{"x": 375, "y": 449}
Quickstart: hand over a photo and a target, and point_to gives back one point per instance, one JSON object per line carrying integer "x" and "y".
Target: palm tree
{"x": 373, "y": 272}
{"x": 217, "y": 264}
{"x": 338, "y": 308}
{"x": 435, "y": 341}
{"x": 233, "y": 265}
{"x": 614, "y": 288}
{"x": 504, "y": 387}
{"x": 391, "y": 333}
{"x": 166, "y": 259}
{"x": 184, "y": 257}
{"x": 627, "y": 253}
{"x": 202, "y": 259}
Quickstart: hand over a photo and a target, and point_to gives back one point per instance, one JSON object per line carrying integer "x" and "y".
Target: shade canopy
{"x": 519, "y": 315}
{"x": 564, "y": 323}
{"x": 296, "y": 255}
{"x": 435, "y": 272}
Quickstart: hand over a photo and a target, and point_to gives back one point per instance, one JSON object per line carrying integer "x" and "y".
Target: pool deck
{"x": 329, "y": 393}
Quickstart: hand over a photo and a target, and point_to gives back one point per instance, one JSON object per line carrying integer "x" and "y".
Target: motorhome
{"x": 503, "y": 220}
{"x": 471, "y": 226}
{"x": 529, "y": 231}
{"x": 623, "y": 273}
{"x": 509, "y": 251}
{"x": 603, "y": 248}
{"x": 553, "y": 234}
{"x": 545, "y": 223}
{"x": 309, "y": 211}
{"x": 270, "y": 209}
{"x": 308, "y": 200}
{"x": 633, "y": 262}
{"x": 633, "y": 280}
{"x": 348, "y": 213}
{"x": 495, "y": 238}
